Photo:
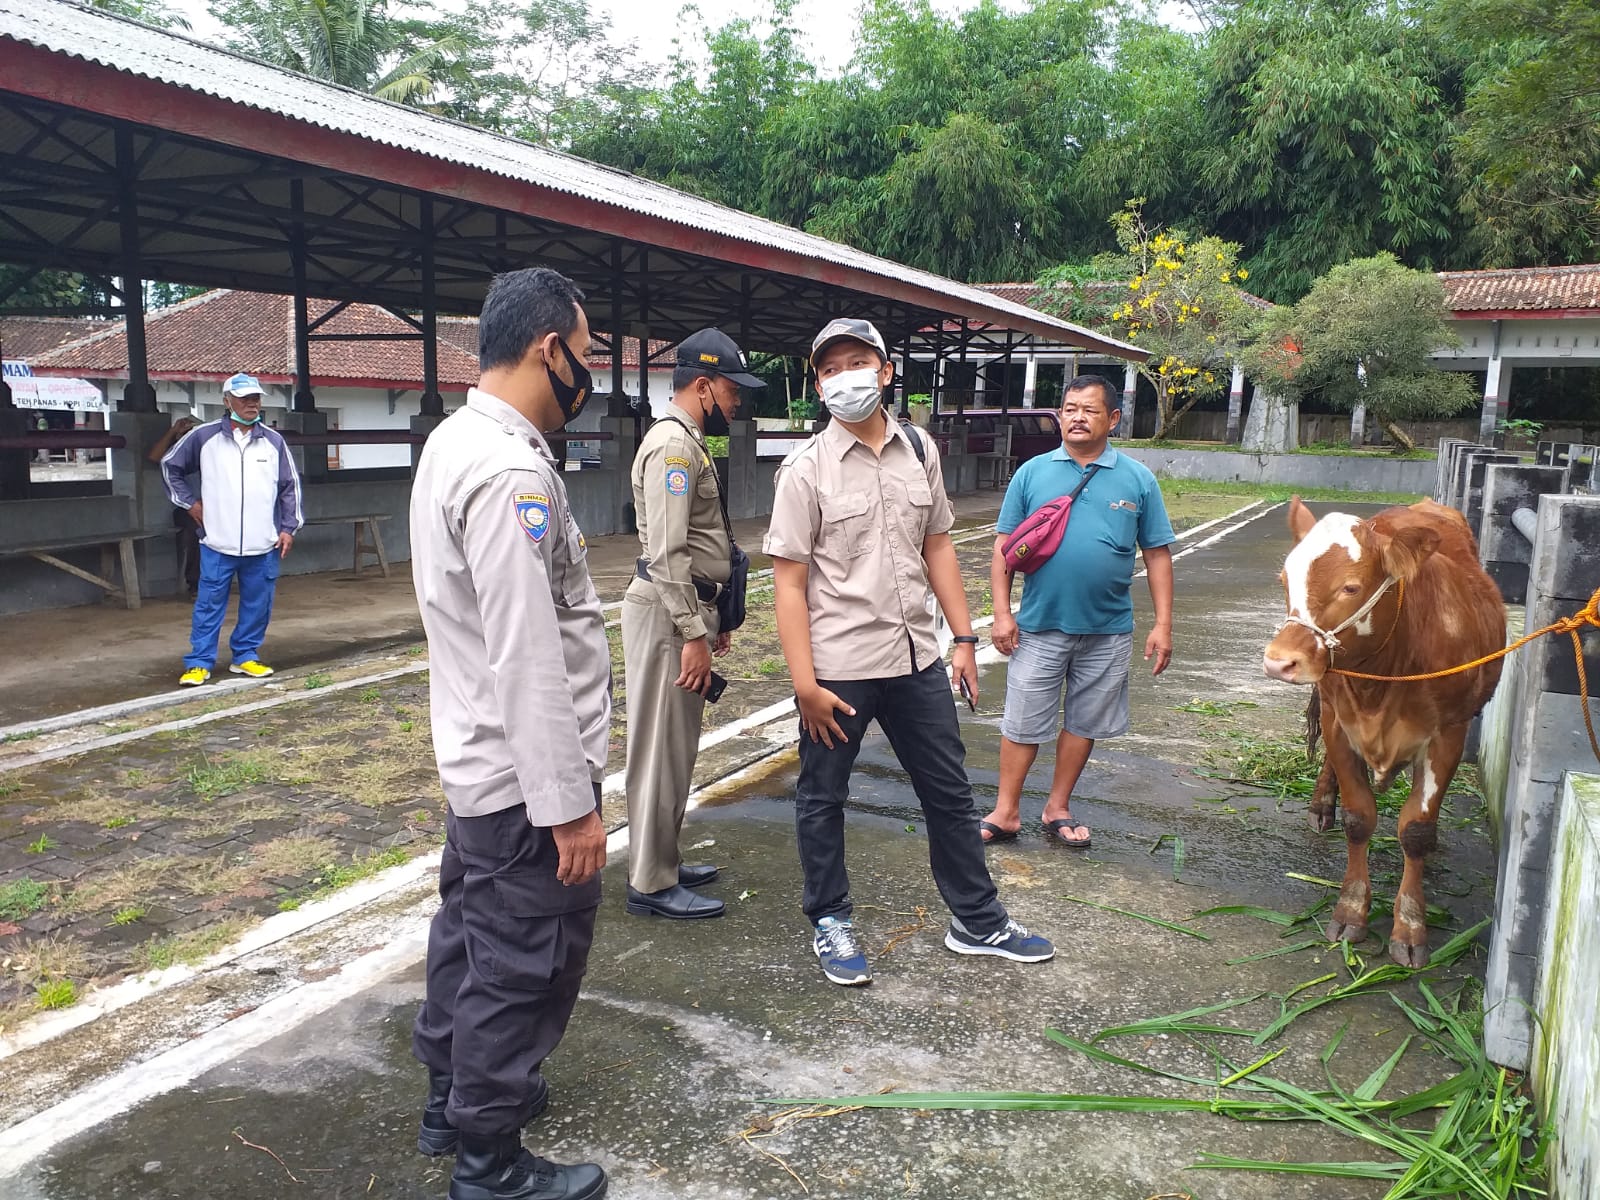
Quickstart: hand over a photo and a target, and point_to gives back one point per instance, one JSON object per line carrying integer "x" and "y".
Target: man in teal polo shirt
{"x": 1075, "y": 627}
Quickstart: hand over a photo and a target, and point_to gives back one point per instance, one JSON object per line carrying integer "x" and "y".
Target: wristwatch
{"x": 966, "y": 639}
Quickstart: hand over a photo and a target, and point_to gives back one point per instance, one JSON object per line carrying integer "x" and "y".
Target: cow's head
{"x": 1340, "y": 585}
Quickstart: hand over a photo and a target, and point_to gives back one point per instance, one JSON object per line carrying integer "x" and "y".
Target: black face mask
{"x": 716, "y": 425}
{"x": 570, "y": 396}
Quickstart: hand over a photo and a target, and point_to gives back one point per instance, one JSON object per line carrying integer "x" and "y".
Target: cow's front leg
{"x": 1325, "y": 797}
{"x": 1321, "y": 724}
{"x": 1349, "y": 921}
{"x": 1431, "y": 773}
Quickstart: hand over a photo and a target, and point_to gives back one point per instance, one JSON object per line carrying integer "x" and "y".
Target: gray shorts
{"x": 1093, "y": 667}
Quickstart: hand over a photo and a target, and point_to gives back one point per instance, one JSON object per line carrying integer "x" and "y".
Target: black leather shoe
{"x": 437, "y": 1137}
{"x": 677, "y": 902}
{"x": 696, "y": 876}
{"x": 498, "y": 1168}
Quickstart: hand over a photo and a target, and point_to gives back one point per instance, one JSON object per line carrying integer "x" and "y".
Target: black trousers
{"x": 506, "y": 955}
{"x": 918, "y": 715}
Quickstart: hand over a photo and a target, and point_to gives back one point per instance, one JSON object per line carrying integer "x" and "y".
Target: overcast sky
{"x": 653, "y": 24}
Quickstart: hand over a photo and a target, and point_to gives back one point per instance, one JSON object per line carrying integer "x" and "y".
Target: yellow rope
{"x": 1589, "y": 615}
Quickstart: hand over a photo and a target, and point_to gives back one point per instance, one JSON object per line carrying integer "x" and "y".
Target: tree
{"x": 1330, "y": 127}
{"x": 355, "y": 43}
{"x": 151, "y": 12}
{"x": 1178, "y": 297}
{"x": 1529, "y": 145}
{"x": 1365, "y": 334}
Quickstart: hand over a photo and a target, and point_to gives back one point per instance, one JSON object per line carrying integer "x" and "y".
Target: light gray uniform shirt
{"x": 859, "y": 520}
{"x": 519, "y": 668}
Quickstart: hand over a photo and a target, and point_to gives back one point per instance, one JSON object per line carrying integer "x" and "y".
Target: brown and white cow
{"x": 1399, "y": 594}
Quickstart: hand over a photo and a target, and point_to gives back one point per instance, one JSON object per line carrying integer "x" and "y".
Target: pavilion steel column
{"x": 1005, "y": 374}
{"x": 938, "y": 365}
{"x": 137, "y": 394}
{"x": 432, "y": 401}
{"x": 305, "y": 399}
{"x": 960, "y": 399}
{"x": 617, "y": 282}
{"x": 644, "y": 336}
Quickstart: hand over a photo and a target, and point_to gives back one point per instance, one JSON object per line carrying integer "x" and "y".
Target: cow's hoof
{"x": 1408, "y": 955}
{"x": 1322, "y": 818}
{"x": 1339, "y": 931}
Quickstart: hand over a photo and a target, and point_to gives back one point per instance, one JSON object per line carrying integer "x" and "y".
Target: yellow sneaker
{"x": 193, "y": 677}
{"x": 251, "y": 667}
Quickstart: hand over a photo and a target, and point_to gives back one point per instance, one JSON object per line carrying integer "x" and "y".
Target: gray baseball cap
{"x": 851, "y": 329}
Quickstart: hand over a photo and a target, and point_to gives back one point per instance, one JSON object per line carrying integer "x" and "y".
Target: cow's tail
{"x": 1313, "y": 723}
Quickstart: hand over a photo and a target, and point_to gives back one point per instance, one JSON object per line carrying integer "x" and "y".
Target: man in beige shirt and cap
{"x": 520, "y": 693}
{"x": 669, "y": 619}
{"x": 860, "y": 533}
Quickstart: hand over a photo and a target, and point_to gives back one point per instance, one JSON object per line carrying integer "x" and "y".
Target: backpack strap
{"x": 915, "y": 436}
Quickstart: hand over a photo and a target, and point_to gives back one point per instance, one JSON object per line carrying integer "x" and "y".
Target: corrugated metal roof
{"x": 180, "y": 62}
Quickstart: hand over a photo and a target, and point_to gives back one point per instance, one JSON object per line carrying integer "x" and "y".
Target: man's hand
{"x": 1003, "y": 635}
{"x": 817, "y": 706}
{"x": 695, "y": 662}
{"x": 580, "y": 847}
{"x": 1159, "y": 643}
{"x": 722, "y": 645}
{"x": 964, "y": 665}
{"x": 285, "y": 540}
{"x": 197, "y": 511}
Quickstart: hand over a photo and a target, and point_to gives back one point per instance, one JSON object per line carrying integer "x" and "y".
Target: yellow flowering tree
{"x": 1173, "y": 294}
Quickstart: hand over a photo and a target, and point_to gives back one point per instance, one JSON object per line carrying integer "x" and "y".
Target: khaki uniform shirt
{"x": 519, "y": 668}
{"x": 859, "y": 519}
{"x": 682, "y": 534}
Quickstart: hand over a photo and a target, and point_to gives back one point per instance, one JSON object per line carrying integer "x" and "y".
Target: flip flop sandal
{"x": 1052, "y": 831}
{"x": 996, "y": 834}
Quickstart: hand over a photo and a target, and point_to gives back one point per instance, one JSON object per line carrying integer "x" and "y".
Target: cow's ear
{"x": 1300, "y": 519}
{"x": 1407, "y": 549}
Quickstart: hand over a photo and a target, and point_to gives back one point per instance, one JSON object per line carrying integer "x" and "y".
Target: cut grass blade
{"x": 1294, "y": 949}
{"x": 1338, "y": 1170}
{"x": 1370, "y": 979}
{"x": 1183, "y": 1022}
{"x": 1373, "y": 1084}
{"x": 1320, "y": 882}
{"x": 1137, "y": 916}
{"x": 1246, "y": 910}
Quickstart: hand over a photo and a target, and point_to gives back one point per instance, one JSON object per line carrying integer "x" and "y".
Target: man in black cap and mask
{"x": 520, "y": 692}
{"x": 669, "y": 619}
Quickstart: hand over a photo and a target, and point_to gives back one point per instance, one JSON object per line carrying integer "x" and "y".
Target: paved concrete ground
{"x": 683, "y": 1030}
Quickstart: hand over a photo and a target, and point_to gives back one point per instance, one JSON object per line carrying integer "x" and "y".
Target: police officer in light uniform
{"x": 669, "y": 619}
{"x": 520, "y": 690}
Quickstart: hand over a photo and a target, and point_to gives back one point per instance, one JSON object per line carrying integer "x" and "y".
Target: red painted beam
{"x": 60, "y": 79}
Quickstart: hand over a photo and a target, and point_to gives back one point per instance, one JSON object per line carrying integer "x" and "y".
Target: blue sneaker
{"x": 836, "y": 949}
{"x": 1011, "y": 940}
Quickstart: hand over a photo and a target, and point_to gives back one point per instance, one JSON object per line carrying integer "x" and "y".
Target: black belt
{"x": 704, "y": 588}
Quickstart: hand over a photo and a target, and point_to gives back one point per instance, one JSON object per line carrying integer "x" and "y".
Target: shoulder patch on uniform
{"x": 678, "y": 480}
{"x": 675, "y": 461}
{"x": 533, "y": 514}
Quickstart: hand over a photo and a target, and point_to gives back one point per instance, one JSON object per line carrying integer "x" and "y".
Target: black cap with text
{"x": 716, "y": 353}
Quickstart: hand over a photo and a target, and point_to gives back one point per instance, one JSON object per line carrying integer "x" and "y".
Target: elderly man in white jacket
{"x": 248, "y": 511}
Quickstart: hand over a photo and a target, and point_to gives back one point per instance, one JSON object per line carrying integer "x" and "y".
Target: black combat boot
{"x": 437, "y": 1137}
{"x": 498, "y": 1168}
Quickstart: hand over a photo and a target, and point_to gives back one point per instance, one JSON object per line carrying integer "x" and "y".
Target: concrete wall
{"x": 1566, "y": 1059}
{"x": 1536, "y": 721}
{"x": 1292, "y": 470}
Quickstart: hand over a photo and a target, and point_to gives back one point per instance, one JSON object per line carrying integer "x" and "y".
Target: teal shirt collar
{"x": 1105, "y": 462}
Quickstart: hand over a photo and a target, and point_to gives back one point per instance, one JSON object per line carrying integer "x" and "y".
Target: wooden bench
{"x": 128, "y": 589}
{"x": 368, "y": 538}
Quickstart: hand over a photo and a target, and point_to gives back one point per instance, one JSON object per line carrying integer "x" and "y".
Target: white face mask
{"x": 852, "y": 395}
